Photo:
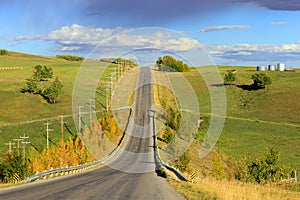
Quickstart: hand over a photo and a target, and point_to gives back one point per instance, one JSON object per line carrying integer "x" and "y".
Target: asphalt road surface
{"x": 130, "y": 174}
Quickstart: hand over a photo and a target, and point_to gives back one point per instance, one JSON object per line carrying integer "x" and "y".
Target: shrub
{"x": 260, "y": 80}
{"x": 229, "y": 78}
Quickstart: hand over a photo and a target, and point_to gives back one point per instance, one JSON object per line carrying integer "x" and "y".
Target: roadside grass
{"x": 231, "y": 190}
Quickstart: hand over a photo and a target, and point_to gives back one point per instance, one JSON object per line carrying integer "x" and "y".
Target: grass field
{"x": 258, "y": 119}
{"x": 24, "y": 113}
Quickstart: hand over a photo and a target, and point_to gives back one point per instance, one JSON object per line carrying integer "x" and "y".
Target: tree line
{"x": 71, "y": 153}
{"x": 70, "y": 57}
{"x": 168, "y": 63}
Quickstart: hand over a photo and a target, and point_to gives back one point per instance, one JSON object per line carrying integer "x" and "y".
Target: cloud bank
{"x": 80, "y": 38}
{"x": 220, "y": 28}
{"x": 256, "y": 52}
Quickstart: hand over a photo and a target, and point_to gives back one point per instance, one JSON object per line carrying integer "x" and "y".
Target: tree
{"x": 229, "y": 78}
{"x": 70, "y": 57}
{"x": 260, "y": 80}
{"x": 3, "y": 52}
{"x": 42, "y": 73}
{"x": 31, "y": 87}
{"x": 51, "y": 93}
{"x": 168, "y": 63}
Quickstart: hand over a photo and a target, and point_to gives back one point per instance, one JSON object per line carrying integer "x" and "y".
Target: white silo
{"x": 280, "y": 66}
{"x": 261, "y": 68}
{"x": 271, "y": 67}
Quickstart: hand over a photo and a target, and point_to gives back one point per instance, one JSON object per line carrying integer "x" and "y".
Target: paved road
{"x": 129, "y": 175}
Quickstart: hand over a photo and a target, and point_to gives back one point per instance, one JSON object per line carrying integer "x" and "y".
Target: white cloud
{"x": 279, "y": 23}
{"x": 220, "y": 28}
{"x": 256, "y": 52}
{"x": 77, "y": 37}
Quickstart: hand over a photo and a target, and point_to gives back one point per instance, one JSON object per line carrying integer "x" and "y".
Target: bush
{"x": 260, "y": 80}
{"x": 167, "y": 136}
{"x": 262, "y": 170}
{"x": 229, "y": 78}
{"x": 182, "y": 162}
{"x": 162, "y": 172}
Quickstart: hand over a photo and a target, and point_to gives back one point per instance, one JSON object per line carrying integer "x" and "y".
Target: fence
{"x": 290, "y": 178}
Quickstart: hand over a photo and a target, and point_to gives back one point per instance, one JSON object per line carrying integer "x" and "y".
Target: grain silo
{"x": 280, "y": 66}
{"x": 271, "y": 67}
{"x": 261, "y": 68}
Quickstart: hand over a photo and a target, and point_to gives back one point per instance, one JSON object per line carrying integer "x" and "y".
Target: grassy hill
{"x": 24, "y": 113}
{"x": 257, "y": 119}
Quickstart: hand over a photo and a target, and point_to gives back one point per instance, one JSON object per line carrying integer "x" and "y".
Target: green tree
{"x": 229, "y": 78}
{"x": 31, "y": 86}
{"x": 260, "y": 80}
{"x": 42, "y": 73}
{"x": 3, "y": 52}
{"x": 51, "y": 93}
{"x": 13, "y": 164}
{"x": 168, "y": 63}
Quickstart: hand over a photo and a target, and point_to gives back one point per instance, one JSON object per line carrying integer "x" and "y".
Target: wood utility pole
{"x": 79, "y": 118}
{"x": 62, "y": 123}
{"x": 91, "y": 111}
{"x": 106, "y": 97}
{"x": 18, "y": 144}
{"x": 47, "y": 132}
{"x": 9, "y": 146}
{"x": 24, "y": 137}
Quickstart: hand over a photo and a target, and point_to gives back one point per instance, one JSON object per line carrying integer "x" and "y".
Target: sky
{"x": 233, "y": 32}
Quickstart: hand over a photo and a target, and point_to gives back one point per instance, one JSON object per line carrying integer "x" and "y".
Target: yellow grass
{"x": 232, "y": 190}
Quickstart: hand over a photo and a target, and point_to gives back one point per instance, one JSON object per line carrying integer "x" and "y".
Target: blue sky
{"x": 234, "y": 32}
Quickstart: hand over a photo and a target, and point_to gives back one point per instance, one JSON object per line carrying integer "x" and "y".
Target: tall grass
{"x": 231, "y": 190}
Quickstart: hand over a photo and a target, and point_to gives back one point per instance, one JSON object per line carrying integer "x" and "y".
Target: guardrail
{"x": 61, "y": 171}
{"x": 79, "y": 168}
{"x": 158, "y": 160}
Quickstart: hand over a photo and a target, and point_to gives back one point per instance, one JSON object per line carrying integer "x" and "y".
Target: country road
{"x": 130, "y": 174}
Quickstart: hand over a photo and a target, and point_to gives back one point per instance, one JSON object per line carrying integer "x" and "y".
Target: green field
{"x": 258, "y": 119}
{"x": 24, "y": 113}
{"x": 255, "y": 119}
